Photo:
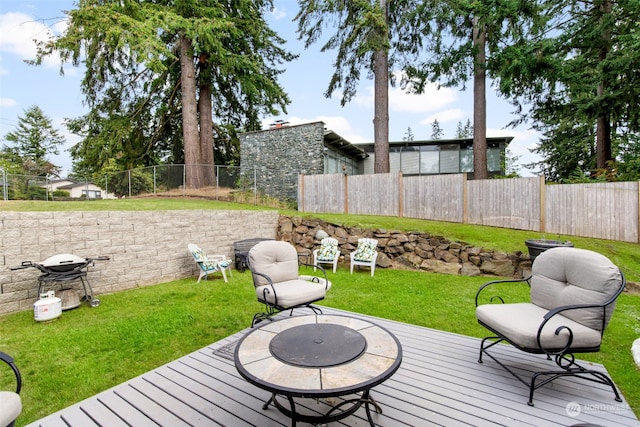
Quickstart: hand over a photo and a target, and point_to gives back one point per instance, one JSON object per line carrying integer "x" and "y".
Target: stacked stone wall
{"x": 278, "y": 155}
{"x": 415, "y": 250}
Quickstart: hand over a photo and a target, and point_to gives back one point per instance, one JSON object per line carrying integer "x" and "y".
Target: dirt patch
{"x": 208, "y": 193}
{"x": 633, "y": 288}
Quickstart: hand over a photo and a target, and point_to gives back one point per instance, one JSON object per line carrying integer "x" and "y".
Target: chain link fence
{"x": 230, "y": 183}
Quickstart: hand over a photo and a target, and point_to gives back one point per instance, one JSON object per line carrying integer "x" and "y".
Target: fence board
{"x": 602, "y": 210}
{"x": 323, "y": 193}
{"x": 511, "y": 203}
{"x": 374, "y": 194}
{"x": 435, "y": 197}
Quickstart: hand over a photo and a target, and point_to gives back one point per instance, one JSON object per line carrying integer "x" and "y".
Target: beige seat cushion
{"x": 293, "y": 292}
{"x": 10, "y": 407}
{"x": 519, "y": 323}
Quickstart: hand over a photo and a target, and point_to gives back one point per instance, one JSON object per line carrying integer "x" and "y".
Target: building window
{"x": 429, "y": 161}
{"x": 493, "y": 160}
{"x": 466, "y": 160}
{"x": 92, "y": 194}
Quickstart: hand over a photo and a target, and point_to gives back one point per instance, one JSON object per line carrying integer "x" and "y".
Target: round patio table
{"x": 319, "y": 357}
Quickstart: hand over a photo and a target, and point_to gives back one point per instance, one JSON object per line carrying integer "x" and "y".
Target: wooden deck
{"x": 439, "y": 382}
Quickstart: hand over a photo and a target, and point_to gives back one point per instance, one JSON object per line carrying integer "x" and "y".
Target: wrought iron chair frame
{"x": 272, "y": 308}
{"x": 9, "y": 361}
{"x": 563, "y": 357}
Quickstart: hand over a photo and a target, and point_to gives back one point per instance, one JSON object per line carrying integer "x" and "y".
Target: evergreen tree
{"x": 34, "y": 141}
{"x": 577, "y": 82}
{"x": 158, "y": 73}
{"x": 458, "y": 41}
{"x": 436, "y": 130}
{"x": 464, "y": 131}
{"x": 368, "y": 34}
{"x": 408, "y": 135}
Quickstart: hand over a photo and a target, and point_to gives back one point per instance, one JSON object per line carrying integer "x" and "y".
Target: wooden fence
{"x": 600, "y": 210}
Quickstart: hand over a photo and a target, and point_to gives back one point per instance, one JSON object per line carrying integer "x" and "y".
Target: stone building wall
{"x": 145, "y": 248}
{"x": 414, "y": 250}
{"x": 279, "y": 155}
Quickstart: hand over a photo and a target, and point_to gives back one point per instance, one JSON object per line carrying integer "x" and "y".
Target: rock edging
{"x": 414, "y": 250}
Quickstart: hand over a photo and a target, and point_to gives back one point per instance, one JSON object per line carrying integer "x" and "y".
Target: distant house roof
{"x": 492, "y": 141}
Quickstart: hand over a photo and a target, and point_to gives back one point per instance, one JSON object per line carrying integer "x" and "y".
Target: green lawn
{"x": 88, "y": 350}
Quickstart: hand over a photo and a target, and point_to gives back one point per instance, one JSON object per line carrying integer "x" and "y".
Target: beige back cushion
{"x": 567, "y": 276}
{"x": 276, "y": 259}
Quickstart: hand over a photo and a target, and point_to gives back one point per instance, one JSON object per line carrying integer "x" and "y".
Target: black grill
{"x": 65, "y": 268}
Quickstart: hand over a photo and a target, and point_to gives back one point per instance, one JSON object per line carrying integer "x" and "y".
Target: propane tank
{"x": 48, "y": 307}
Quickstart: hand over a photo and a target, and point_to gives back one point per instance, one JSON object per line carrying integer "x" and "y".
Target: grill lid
{"x": 62, "y": 260}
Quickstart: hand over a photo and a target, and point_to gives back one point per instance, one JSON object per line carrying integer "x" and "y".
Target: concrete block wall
{"x": 145, "y": 247}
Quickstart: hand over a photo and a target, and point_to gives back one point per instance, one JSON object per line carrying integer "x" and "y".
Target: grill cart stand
{"x": 65, "y": 268}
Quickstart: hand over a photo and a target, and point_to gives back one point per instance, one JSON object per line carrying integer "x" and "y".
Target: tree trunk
{"x": 206, "y": 133}
{"x": 189, "y": 114}
{"x": 381, "y": 106}
{"x": 603, "y": 125}
{"x": 479, "y": 102}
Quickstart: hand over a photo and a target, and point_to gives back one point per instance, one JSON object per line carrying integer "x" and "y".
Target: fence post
{"x": 346, "y": 193}
{"x": 638, "y": 229}
{"x": 465, "y": 199}
{"x": 129, "y": 175}
{"x": 4, "y": 184}
{"x": 543, "y": 204}
{"x": 217, "y": 182}
{"x": 255, "y": 186}
{"x": 400, "y": 195}
{"x": 154, "y": 180}
{"x": 184, "y": 180}
{"x": 301, "y": 191}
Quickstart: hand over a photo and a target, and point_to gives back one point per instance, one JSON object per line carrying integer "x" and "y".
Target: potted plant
{"x": 537, "y": 246}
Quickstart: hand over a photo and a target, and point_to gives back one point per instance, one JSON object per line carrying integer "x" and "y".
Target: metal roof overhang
{"x": 335, "y": 141}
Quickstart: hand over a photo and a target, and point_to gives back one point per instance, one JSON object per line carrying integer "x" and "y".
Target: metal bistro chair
{"x": 573, "y": 294}
{"x": 274, "y": 267}
{"x": 11, "y": 403}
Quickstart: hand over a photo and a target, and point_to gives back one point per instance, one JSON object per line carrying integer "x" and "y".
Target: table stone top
{"x": 380, "y": 359}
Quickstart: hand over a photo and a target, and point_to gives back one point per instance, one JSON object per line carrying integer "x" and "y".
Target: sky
{"x": 305, "y": 80}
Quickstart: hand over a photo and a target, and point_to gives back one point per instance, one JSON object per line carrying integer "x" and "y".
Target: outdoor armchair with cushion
{"x": 328, "y": 253}
{"x": 573, "y": 294}
{"x": 274, "y": 267}
{"x": 209, "y": 264}
{"x": 365, "y": 254}
{"x": 10, "y": 402}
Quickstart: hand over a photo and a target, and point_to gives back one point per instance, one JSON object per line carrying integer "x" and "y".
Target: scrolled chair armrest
{"x": 493, "y": 282}
{"x": 9, "y": 361}
{"x": 324, "y": 273}
{"x": 266, "y": 290}
{"x": 557, "y": 311}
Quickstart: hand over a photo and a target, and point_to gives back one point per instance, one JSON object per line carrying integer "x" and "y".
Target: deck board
{"x": 440, "y": 382}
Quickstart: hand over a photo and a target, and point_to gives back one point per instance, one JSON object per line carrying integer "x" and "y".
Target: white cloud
{"x": 444, "y": 116}
{"x": 433, "y": 99}
{"x": 7, "y": 102}
{"x": 20, "y": 31}
{"x": 278, "y": 13}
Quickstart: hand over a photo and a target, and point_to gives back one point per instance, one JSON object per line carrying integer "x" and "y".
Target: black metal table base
{"x": 329, "y": 416}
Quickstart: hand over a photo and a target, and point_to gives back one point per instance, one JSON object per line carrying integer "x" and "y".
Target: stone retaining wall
{"x": 417, "y": 250}
{"x": 145, "y": 247}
